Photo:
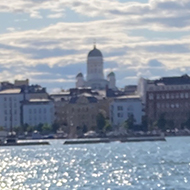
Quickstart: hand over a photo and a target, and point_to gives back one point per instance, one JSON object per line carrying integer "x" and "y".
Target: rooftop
{"x": 11, "y": 91}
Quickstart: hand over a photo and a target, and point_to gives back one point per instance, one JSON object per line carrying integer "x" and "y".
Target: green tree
{"x": 55, "y": 127}
{"x": 24, "y": 127}
{"x": 84, "y": 129}
{"x": 107, "y": 126}
{"x": 129, "y": 123}
{"x": 144, "y": 125}
{"x": 46, "y": 128}
{"x": 161, "y": 122}
{"x": 100, "y": 121}
{"x": 170, "y": 124}
{"x": 1, "y": 128}
{"x": 29, "y": 129}
{"x": 39, "y": 127}
{"x": 187, "y": 122}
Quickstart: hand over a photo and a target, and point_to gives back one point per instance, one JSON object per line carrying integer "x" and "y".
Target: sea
{"x": 104, "y": 166}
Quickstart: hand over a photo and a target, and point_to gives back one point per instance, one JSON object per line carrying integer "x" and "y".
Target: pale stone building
{"x": 38, "y": 111}
{"x": 95, "y": 73}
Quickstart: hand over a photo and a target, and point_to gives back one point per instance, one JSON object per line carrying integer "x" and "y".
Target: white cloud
{"x": 65, "y": 43}
{"x": 57, "y": 15}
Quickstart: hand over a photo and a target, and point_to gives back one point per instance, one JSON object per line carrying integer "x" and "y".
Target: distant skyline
{"x": 47, "y": 41}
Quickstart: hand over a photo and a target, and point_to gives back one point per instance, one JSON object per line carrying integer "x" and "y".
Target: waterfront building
{"x": 10, "y": 103}
{"x": 81, "y": 113}
{"x": 169, "y": 96}
{"x": 95, "y": 73}
{"x": 38, "y": 111}
{"x": 123, "y": 107}
{"x": 12, "y": 97}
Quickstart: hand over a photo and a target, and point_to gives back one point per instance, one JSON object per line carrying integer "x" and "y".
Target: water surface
{"x": 113, "y": 166}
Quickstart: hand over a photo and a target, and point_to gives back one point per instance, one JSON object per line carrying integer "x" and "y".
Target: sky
{"x": 47, "y": 41}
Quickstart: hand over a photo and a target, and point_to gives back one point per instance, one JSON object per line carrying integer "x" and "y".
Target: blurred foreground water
{"x": 141, "y": 165}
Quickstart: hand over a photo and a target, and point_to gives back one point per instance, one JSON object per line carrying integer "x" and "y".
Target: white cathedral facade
{"x": 95, "y": 73}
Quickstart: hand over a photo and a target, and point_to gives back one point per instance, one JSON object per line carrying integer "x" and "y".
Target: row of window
{"x": 40, "y": 110}
{"x": 169, "y": 96}
{"x": 10, "y": 105}
{"x": 121, "y": 114}
{"x": 10, "y": 99}
{"x": 172, "y": 105}
{"x": 169, "y": 87}
{"x": 10, "y": 119}
{"x": 80, "y": 109}
{"x": 10, "y": 112}
{"x": 121, "y": 108}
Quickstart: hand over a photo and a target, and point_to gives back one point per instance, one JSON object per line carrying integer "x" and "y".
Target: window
{"x": 158, "y": 96}
{"x": 151, "y": 96}
{"x": 130, "y": 108}
{"x": 120, "y": 115}
{"x": 119, "y": 108}
{"x": 181, "y": 95}
{"x": 167, "y": 96}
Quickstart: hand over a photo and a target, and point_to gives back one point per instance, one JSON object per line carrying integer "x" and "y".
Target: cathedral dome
{"x": 95, "y": 53}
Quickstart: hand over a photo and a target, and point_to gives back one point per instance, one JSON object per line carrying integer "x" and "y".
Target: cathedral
{"x": 95, "y": 74}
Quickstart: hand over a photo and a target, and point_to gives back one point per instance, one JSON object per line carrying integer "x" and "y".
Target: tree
{"x": 84, "y": 129}
{"x": 161, "y": 122}
{"x": 187, "y": 122}
{"x": 39, "y": 127}
{"x": 144, "y": 123}
{"x": 100, "y": 121}
{"x": 107, "y": 126}
{"x": 55, "y": 127}
{"x": 46, "y": 128}
{"x": 129, "y": 123}
{"x": 170, "y": 124}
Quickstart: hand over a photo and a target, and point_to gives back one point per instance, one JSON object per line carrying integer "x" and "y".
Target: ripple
{"x": 147, "y": 165}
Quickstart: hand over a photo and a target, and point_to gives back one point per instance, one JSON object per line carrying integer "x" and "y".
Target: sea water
{"x": 109, "y": 166}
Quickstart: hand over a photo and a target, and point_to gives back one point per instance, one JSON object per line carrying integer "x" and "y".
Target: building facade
{"x": 123, "y": 107}
{"x": 81, "y": 113}
{"x": 169, "y": 96}
{"x": 10, "y": 112}
{"x": 38, "y": 111}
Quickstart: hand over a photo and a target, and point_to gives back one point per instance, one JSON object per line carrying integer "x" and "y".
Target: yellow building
{"x": 81, "y": 114}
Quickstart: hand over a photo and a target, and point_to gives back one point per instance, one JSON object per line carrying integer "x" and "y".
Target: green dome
{"x": 112, "y": 74}
{"x": 79, "y": 75}
{"x": 95, "y": 53}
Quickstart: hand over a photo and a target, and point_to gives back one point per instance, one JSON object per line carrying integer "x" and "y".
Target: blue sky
{"x": 48, "y": 41}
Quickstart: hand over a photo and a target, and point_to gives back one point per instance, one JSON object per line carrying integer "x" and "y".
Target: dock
{"x": 25, "y": 143}
{"x": 108, "y": 140}
{"x": 140, "y": 139}
{"x": 87, "y": 141}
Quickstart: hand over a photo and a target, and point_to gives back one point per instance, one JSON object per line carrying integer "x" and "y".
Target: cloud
{"x": 57, "y": 15}
{"x": 60, "y": 49}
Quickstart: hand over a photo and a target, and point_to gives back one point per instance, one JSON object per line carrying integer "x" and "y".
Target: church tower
{"x": 95, "y": 64}
{"x": 95, "y": 74}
